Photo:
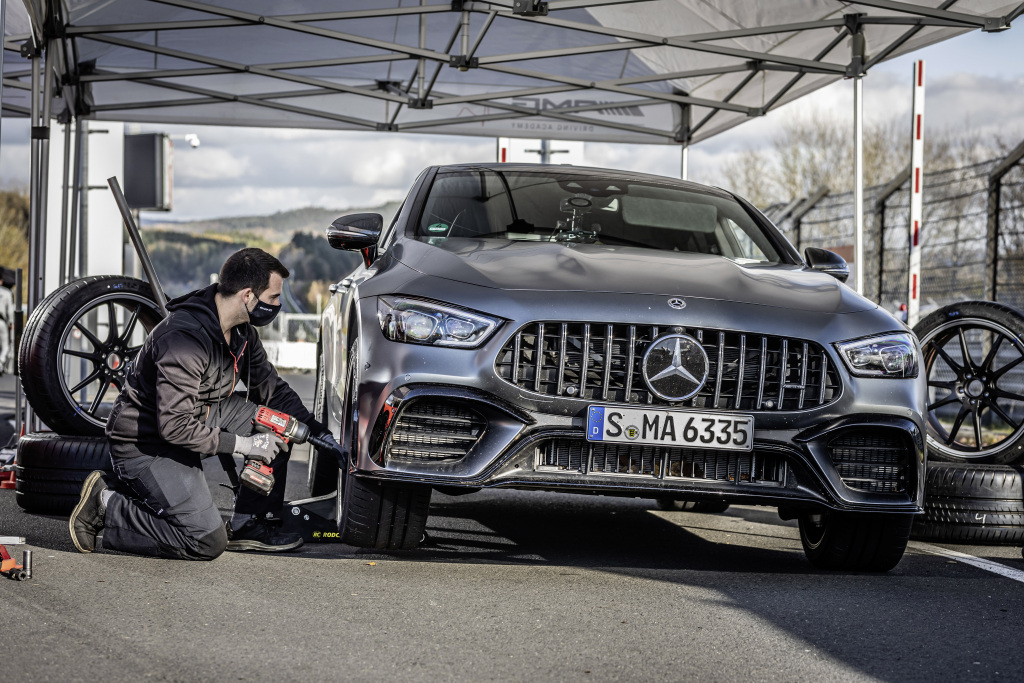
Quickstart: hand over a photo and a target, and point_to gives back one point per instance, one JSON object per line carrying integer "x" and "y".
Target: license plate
{"x": 670, "y": 428}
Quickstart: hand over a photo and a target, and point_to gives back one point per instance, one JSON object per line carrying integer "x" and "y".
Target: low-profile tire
{"x": 58, "y": 346}
{"x": 973, "y": 358}
{"x": 972, "y": 504}
{"x": 322, "y": 474}
{"x": 706, "y": 506}
{"x": 854, "y": 542}
{"x": 383, "y": 515}
{"x": 50, "y": 469}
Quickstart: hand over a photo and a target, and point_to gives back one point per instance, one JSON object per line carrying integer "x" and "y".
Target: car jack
{"x": 314, "y": 519}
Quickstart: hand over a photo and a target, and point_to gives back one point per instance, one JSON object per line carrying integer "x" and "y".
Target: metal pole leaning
{"x": 140, "y": 248}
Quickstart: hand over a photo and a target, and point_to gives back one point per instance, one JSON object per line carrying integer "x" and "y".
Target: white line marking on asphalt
{"x": 987, "y": 565}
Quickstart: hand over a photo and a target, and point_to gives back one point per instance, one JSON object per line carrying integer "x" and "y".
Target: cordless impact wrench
{"x": 256, "y": 474}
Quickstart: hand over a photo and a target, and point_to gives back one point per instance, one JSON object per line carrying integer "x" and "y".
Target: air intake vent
{"x": 579, "y": 455}
{"x": 434, "y": 430}
{"x": 602, "y": 362}
{"x": 875, "y": 461}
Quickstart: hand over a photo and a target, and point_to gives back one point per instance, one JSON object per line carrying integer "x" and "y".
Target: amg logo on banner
{"x": 543, "y": 104}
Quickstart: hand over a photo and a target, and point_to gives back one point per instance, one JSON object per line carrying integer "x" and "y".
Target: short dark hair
{"x": 249, "y": 267}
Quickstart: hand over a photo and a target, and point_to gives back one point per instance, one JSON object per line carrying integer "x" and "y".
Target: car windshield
{"x": 574, "y": 208}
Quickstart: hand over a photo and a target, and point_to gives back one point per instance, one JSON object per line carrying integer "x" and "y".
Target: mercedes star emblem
{"x": 675, "y": 367}
{"x": 676, "y": 303}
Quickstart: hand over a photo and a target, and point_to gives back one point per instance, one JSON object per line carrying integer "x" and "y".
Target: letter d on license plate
{"x": 670, "y": 428}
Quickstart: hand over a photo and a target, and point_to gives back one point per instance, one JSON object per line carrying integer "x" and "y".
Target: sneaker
{"x": 259, "y": 535}
{"x": 87, "y": 518}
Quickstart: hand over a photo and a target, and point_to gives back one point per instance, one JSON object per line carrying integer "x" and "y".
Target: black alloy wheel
{"x": 78, "y": 343}
{"x": 973, "y": 357}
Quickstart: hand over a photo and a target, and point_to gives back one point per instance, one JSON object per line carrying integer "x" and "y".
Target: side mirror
{"x": 357, "y": 232}
{"x": 829, "y": 262}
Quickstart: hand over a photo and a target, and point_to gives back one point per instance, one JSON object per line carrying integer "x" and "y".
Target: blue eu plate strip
{"x": 595, "y": 423}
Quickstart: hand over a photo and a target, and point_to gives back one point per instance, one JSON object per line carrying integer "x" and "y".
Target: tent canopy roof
{"x": 653, "y": 71}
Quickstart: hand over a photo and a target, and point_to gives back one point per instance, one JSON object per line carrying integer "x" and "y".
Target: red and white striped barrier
{"x": 916, "y": 188}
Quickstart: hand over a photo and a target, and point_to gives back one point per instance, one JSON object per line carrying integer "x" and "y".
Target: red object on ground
{"x": 6, "y": 480}
{"x": 7, "y": 563}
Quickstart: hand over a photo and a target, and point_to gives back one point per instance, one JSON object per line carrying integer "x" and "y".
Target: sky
{"x": 974, "y": 81}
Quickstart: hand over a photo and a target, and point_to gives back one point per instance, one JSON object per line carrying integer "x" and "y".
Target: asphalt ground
{"x": 512, "y": 585}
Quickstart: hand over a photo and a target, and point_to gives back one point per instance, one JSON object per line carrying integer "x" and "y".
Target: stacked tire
{"x": 93, "y": 325}
{"x": 973, "y": 356}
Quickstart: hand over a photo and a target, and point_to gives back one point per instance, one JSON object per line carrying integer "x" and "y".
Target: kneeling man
{"x": 179, "y": 406}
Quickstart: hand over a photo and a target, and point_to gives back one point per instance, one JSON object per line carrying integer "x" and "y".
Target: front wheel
{"x": 382, "y": 515}
{"x": 851, "y": 542}
{"x": 374, "y": 514}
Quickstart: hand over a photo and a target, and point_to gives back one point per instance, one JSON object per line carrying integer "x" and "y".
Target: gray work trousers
{"x": 164, "y": 508}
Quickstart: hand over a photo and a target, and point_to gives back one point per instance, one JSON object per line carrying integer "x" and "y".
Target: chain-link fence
{"x": 972, "y": 238}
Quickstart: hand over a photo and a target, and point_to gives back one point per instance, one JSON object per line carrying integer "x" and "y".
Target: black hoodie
{"x": 184, "y": 368}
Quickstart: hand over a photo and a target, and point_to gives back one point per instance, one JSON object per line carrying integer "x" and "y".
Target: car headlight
{"x": 424, "y": 322}
{"x": 887, "y": 355}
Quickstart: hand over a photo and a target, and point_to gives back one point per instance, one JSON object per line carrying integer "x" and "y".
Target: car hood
{"x": 556, "y": 267}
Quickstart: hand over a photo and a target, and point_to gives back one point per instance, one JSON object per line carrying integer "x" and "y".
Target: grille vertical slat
{"x": 629, "y": 363}
{"x": 764, "y": 361}
{"x": 654, "y": 335}
{"x": 540, "y": 358}
{"x": 586, "y": 359}
{"x": 597, "y": 365}
{"x": 608, "y": 341}
{"x": 739, "y": 375}
{"x": 803, "y": 378}
{"x": 824, "y": 379}
{"x": 561, "y": 357}
{"x": 719, "y": 369}
{"x": 516, "y": 347}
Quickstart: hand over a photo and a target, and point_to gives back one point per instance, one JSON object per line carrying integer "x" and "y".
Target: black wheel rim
{"x": 96, "y": 348}
{"x": 975, "y": 371}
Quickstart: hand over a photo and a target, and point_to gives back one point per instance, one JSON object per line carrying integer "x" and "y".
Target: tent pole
{"x": 39, "y": 277}
{"x": 422, "y": 70}
{"x": 684, "y": 171}
{"x": 76, "y": 198}
{"x": 65, "y": 189}
{"x": 3, "y": 14}
{"x": 858, "y": 181}
{"x": 33, "y": 190}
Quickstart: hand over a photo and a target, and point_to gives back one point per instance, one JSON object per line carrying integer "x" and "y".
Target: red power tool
{"x": 256, "y": 474}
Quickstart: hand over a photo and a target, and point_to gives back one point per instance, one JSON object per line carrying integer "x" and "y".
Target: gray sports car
{"x": 598, "y": 331}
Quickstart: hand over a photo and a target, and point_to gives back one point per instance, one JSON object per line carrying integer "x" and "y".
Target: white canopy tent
{"x": 646, "y": 71}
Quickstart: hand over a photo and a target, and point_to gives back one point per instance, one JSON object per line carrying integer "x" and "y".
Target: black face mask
{"x": 262, "y": 313}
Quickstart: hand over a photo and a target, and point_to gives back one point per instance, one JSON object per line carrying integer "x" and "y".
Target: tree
{"x": 14, "y": 224}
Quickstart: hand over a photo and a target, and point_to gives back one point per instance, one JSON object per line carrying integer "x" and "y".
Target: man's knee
{"x": 212, "y": 545}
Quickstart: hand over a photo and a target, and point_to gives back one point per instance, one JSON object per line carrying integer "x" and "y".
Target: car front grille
{"x": 602, "y": 362}
{"x": 585, "y": 457}
{"x": 434, "y": 430}
{"x": 876, "y": 462}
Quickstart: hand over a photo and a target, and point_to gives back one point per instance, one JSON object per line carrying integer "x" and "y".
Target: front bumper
{"x": 518, "y": 449}
{"x": 795, "y": 462}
